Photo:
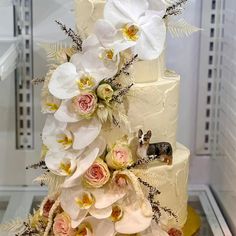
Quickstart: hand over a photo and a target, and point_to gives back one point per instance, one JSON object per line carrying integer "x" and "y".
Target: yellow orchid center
{"x": 52, "y": 106}
{"x": 83, "y": 229}
{"x": 85, "y": 201}
{"x": 131, "y": 32}
{"x": 109, "y": 54}
{"x": 65, "y": 140}
{"x": 66, "y": 167}
{"x": 86, "y": 82}
{"x": 117, "y": 213}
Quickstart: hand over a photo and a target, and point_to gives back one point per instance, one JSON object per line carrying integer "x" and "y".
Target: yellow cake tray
{"x": 192, "y": 224}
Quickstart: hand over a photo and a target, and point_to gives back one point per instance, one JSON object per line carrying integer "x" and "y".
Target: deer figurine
{"x": 153, "y": 151}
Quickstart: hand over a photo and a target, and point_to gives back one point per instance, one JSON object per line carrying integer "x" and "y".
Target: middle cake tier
{"x": 152, "y": 106}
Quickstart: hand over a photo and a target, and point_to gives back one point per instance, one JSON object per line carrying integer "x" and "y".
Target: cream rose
{"x": 97, "y": 175}
{"x": 105, "y": 92}
{"x": 62, "y": 225}
{"x": 85, "y": 104}
{"x": 120, "y": 156}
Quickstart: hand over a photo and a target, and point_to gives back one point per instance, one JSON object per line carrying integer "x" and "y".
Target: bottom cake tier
{"x": 172, "y": 182}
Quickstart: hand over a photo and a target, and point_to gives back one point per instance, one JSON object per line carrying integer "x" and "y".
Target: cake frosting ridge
{"x": 109, "y": 154}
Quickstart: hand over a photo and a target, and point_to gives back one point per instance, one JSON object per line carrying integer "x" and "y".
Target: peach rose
{"x": 85, "y": 104}
{"x": 119, "y": 157}
{"x": 175, "y": 232}
{"x": 97, "y": 175}
{"x": 62, "y": 225}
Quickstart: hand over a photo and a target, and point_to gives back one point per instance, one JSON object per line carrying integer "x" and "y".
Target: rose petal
{"x": 120, "y": 12}
{"x": 64, "y": 114}
{"x": 85, "y": 132}
{"x": 100, "y": 213}
{"x": 152, "y": 39}
{"x": 133, "y": 220}
{"x": 63, "y": 82}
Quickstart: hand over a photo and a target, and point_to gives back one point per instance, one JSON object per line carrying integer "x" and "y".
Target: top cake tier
{"x": 88, "y": 11}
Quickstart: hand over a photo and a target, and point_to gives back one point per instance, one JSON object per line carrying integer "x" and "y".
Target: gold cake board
{"x": 192, "y": 224}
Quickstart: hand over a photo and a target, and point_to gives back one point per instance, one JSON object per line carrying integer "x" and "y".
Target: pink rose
{"x": 97, "y": 175}
{"x": 85, "y": 104}
{"x": 119, "y": 157}
{"x": 62, "y": 225}
{"x": 175, "y": 232}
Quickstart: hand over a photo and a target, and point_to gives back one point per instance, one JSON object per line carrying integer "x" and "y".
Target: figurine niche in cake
{"x": 153, "y": 151}
{"x": 95, "y": 184}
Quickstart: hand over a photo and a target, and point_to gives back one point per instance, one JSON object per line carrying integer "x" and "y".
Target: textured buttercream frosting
{"x": 172, "y": 181}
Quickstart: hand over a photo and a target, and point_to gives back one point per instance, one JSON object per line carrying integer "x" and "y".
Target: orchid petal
{"x": 105, "y": 32}
{"x": 105, "y": 197}
{"x": 51, "y": 130}
{"x": 94, "y": 65}
{"x": 103, "y": 227}
{"x": 68, "y": 204}
{"x": 158, "y": 6}
{"x": 152, "y": 39}
{"x": 155, "y": 229}
{"x": 83, "y": 163}
{"x": 63, "y": 82}
{"x": 133, "y": 220}
{"x": 76, "y": 60}
{"x": 120, "y": 12}
{"x": 85, "y": 132}
{"x": 90, "y": 43}
{"x": 65, "y": 114}
{"x": 100, "y": 213}
{"x": 54, "y": 160}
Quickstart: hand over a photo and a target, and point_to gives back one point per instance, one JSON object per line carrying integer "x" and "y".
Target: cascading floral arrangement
{"x": 92, "y": 189}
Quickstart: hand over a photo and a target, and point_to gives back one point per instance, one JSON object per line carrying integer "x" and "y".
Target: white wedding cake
{"x": 109, "y": 155}
{"x": 152, "y": 105}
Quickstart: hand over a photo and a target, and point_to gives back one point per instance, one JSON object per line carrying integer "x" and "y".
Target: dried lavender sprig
{"x": 123, "y": 70}
{"x": 121, "y": 93}
{"x": 41, "y": 164}
{"x": 175, "y": 9}
{"x": 152, "y": 190}
{"x": 28, "y": 231}
{"x": 37, "y": 81}
{"x": 170, "y": 212}
{"x": 75, "y": 37}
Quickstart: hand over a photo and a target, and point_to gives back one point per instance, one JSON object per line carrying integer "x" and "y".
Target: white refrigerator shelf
{"x": 8, "y": 57}
{"x": 17, "y": 202}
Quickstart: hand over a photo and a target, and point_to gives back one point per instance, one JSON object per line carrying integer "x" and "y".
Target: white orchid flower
{"x": 62, "y": 163}
{"x": 133, "y": 220}
{"x": 74, "y": 163}
{"x": 85, "y": 160}
{"x": 154, "y": 229}
{"x": 93, "y": 226}
{"x": 157, "y": 6}
{"x": 83, "y": 72}
{"x": 138, "y": 28}
{"x": 103, "y": 42}
{"x": 61, "y": 136}
{"x": 78, "y": 202}
{"x": 55, "y": 135}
